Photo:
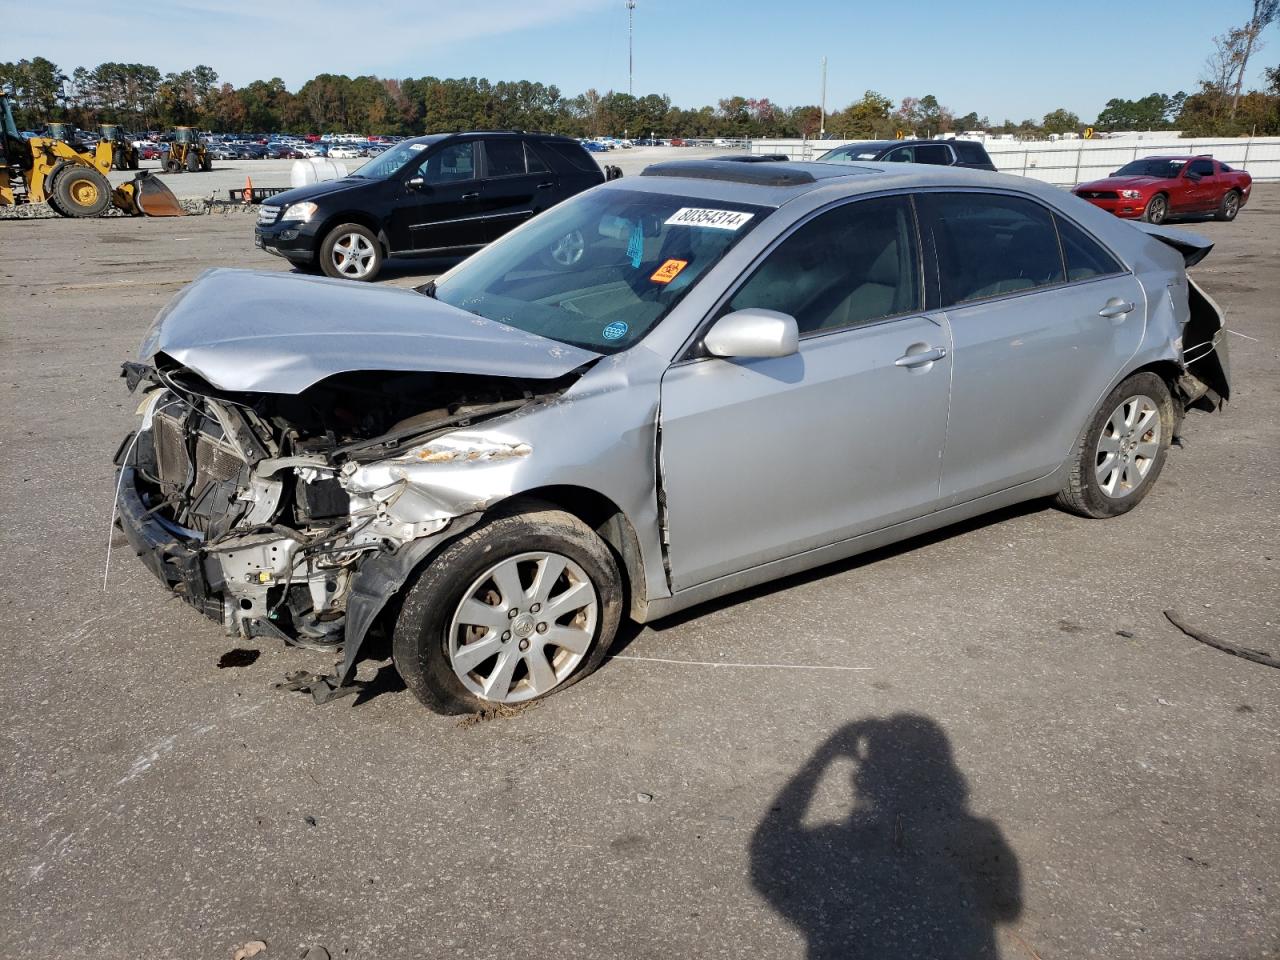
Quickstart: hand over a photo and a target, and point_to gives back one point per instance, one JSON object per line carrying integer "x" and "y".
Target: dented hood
{"x": 280, "y": 333}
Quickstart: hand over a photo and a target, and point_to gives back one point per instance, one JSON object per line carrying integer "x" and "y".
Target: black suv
{"x": 947, "y": 153}
{"x": 445, "y": 194}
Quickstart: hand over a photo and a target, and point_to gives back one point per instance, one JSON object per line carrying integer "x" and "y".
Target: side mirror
{"x": 753, "y": 332}
{"x": 417, "y": 183}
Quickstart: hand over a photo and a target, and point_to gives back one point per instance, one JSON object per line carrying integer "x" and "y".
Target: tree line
{"x": 138, "y": 97}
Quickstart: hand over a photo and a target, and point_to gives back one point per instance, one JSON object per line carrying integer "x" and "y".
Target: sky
{"x": 1005, "y": 60}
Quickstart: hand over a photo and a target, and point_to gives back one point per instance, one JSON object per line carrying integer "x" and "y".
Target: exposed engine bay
{"x": 266, "y": 497}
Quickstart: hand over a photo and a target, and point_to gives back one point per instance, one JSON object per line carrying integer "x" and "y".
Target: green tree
{"x": 1060, "y": 121}
{"x": 863, "y": 119}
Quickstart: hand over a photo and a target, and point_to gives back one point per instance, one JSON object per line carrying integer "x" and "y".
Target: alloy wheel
{"x": 568, "y": 249}
{"x": 522, "y": 627}
{"x": 1128, "y": 447}
{"x": 353, "y": 255}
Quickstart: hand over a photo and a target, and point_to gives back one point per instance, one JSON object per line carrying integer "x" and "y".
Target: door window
{"x": 504, "y": 158}
{"x": 1085, "y": 257}
{"x": 992, "y": 244}
{"x": 450, "y": 164}
{"x": 902, "y": 155}
{"x": 853, "y": 265}
{"x": 1201, "y": 168}
{"x": 533, "y": 162}
{"x": 933, "y": 153}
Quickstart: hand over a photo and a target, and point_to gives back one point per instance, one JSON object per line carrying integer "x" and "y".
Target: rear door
{"x": 1036, "y": 341}
{"x": 935, "y": 153}
{"x": 512, "y": 192}
{"x": 770, "y": 457}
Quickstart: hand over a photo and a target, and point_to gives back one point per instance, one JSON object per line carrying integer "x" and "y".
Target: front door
{"x": 445, "y": 209}
{"x": 766, "y": 458}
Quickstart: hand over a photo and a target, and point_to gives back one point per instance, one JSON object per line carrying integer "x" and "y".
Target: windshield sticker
{"x": 669, "y": 271}
{"x": 616, "y": 330}
{"x": 717, "y": 219}
{"x": 418, "y": 147}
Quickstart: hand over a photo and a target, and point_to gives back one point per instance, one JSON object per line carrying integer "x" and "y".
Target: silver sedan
{"x": 661, "y": 391}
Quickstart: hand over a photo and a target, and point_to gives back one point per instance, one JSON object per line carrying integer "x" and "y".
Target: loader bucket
{"x": 145, "y": 195}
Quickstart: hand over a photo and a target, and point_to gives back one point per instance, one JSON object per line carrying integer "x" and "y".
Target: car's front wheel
{"x": 1157, "y": 209}
{"x": 1120, "y": 455}
{"x": 351, "y": 252}
{"x": 522, "y": 606}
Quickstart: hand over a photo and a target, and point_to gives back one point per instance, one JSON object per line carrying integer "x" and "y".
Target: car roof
{"x": 746, "y": 182}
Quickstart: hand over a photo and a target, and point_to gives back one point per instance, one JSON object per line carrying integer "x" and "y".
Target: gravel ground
{"x": 989, "y": 735}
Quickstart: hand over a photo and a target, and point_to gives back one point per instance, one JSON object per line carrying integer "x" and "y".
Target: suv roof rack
{"x": 732, "y": 170}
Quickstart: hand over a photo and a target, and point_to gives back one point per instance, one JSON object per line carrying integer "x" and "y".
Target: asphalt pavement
{"x": 989, "y": 736}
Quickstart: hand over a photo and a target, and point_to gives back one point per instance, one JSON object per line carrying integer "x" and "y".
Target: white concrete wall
{"x": 1067, "y": 163}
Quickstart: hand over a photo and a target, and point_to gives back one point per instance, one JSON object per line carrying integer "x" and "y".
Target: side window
{"x": 855, "y": 264}
{"x": 504, "y": 158}
{"x": 902, "y": 155}
{"x": 937, "y": 153}
{"x": 533, "y": 162}
{"x": 1201, "y": 168}
{"x": 990, "y": 244}
{"x": 454, "y": 162}
{"x": 574, "y": 156}
{"x": 1085, "y": 256}
{"x": 970, "y": 152}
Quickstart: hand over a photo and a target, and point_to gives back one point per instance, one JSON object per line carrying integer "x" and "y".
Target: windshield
{"x": 601, "y": 270}
{"x": 388, "y": 162}
{"x": 1152, "y": 167}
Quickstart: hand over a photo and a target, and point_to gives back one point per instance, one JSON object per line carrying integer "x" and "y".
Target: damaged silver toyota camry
{"x": 658, "y": 392}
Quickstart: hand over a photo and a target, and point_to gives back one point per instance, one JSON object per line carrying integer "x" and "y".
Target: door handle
{"x": 920, "y": 359}
{"x": 546, "y": 186}
{"x": 470, "y": 196}
{"x": 1115, "y": 308}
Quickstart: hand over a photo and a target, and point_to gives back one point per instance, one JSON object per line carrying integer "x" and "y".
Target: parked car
{"x": 1156, "y": 188}
{"x": 223, "y": 151}
{"x": 656, "y": 393}
{"x": 283, "y": 151}
{"x": 344, "y": 152}
{"x": 448, "y": 193}
{"x": 595, "y": 147}
{"x": 951, "y": 153}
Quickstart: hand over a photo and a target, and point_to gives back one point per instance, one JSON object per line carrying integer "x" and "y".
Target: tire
{"x": 207, "y": 163}
{"x": 80, "y": 191}
{"x": 172, "y": 166}
{"x": 193, "y": 161}
{"x": 432, "y": 629}
{"x": 1157, "y": 210}
{"x": 350, "y": 252}
{"x": 134, "y": 161}
{"x": 49, "y": 197}
{"x": 1118, "y": 458}
{"x": 1229, "y": 207}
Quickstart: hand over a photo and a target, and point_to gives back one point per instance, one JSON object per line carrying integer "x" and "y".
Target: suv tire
{"x": 350, "y": 251}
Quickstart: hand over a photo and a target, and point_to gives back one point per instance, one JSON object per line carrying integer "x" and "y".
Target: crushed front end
{"x": 286, "y": 516}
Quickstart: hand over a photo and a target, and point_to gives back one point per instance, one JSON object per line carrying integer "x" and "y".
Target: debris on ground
{"x": 310, "y": 820}
{"x": 1263, "y": 657}
{"x": 250, "y": 949}
{"x": 645, "y": 797}
{"x": 315, "y": 953}
{"x": 1127, "y": 634}
{"x": 239, "y": 657}
{"x": 500, "y": 712}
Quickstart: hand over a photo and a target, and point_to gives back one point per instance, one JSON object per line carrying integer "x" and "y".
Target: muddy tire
{"x": 1157, "y": 210}
{"x": 1121, "y": 453}
{"x": 80, "y": 191}
{"x": 521, "y": 607}
{"x": 350, "y": 252}
{"x": 1229, "y": 207}
{"x": 193, "y": 161}
{"x": 207, "y": 163}
{"x": 172, "y": 166}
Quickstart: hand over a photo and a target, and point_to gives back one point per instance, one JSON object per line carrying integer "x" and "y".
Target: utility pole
{"x": 631, "y": 59}
{"x": 822, "y": 124}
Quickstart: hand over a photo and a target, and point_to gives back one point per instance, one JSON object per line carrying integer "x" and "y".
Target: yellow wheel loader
{"x": 186, "y": 152}
{"x": 72, "y": 181}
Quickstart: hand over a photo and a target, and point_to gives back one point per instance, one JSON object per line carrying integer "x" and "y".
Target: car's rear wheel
{"x": 351, "y": 252}
{"x": 1157, "y": 210}
{"x": 1229, "y": 206}
{"x": 523, "y": 606}
{"x": 1120, "y": 455}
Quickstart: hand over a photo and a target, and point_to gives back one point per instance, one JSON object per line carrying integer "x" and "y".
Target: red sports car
{"x": 1156, "y": 188}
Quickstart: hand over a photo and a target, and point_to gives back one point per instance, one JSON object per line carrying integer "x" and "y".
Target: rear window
{"x": 504, "y": 158}
{"x": 574, "y": 156}
{"x": 971, "y": 152}
{"x": 933, "y": 153}
{"x": 1085, "y": 257}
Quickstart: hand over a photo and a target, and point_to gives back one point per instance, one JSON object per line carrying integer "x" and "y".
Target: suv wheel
{"x": 518, "y": 608}
{"x": 1117, "y": 460}
{"x": 350, "y": 252}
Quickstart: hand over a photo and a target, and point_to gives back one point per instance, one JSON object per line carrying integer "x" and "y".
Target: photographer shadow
{"x": 909, "y": 873}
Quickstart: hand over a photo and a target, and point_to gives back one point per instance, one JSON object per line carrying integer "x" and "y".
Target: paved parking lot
{"x": 990, "y": 732}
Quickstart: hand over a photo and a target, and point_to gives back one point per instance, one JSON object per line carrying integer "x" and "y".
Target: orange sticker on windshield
{"x": 669, "y": 271}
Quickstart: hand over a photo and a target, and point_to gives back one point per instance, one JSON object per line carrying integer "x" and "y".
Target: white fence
{"x": 1067, "y": 163}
